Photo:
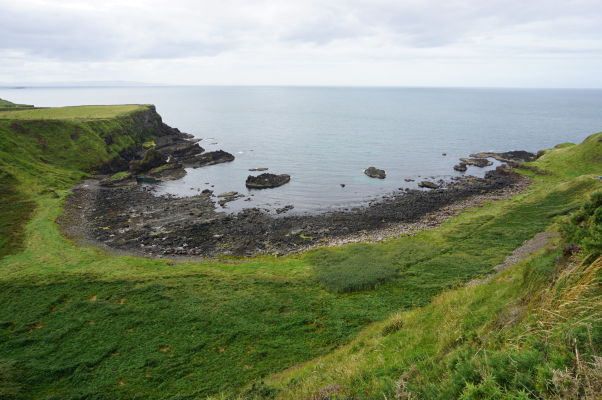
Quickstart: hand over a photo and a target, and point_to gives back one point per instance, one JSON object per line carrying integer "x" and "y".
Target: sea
{"x": 324, "y": 137}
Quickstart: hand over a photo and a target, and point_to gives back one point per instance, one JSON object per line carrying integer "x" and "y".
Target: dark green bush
{"x": 584, "y": 227}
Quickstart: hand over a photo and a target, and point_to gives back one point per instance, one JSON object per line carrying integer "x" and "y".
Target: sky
{"x": 456, "y": 43}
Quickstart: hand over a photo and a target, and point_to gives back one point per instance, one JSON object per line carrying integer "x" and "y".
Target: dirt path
{"x": 530, "y": 246}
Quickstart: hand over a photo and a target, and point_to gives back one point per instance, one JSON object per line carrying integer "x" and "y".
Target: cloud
{"x": 236, "y": 37}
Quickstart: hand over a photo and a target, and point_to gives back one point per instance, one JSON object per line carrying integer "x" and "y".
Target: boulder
{"x": 460, "y": 167}
{"x": 265, "y": 181}
{"x": 428, "y": 185}
{"x": 374, "y": 172}
{"x": 211, "y": 158}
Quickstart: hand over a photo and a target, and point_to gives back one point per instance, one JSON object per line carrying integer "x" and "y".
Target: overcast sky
{"x": 507, "y": 43}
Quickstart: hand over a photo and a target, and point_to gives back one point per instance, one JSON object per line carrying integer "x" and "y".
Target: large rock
{"x": 168, "y": 172}
{"x": 152, "y": 159}
{"x": 183, "y": 150}
{"x": 428, "y": 185}
{"x": 374, "y": 172}
{"x": 265, "y": 181}
{"x": 477, "y": 162}
{"x": 211, "y": 158}
{"x": 460, "y": 167}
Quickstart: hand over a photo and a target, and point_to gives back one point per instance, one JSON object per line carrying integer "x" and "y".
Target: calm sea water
{"x": 324, "y": 137}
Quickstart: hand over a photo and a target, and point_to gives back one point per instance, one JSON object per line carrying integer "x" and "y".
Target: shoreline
{"x": 134, "y": 221}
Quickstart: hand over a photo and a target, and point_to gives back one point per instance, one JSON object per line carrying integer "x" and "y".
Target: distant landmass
{"x": 24, "y": 85}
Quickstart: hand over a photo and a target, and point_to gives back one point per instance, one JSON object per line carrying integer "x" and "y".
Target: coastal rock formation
{"x": 168, "y": 172}
{"x": 374, "y": 172}
{"x": 228, "y": 197}
{"x": 516, "y": 156}
{"x": 211, "y": 158}
{"x": 152, "y": 159}
{"x": 183, "y": 150}
{"x": 477, "y": 162}
{"x": 265, "y": 181}
{"x": 460, "y": 167}
{"x": 428, "y": 185}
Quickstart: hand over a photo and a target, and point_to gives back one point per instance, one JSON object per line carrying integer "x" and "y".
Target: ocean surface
{"x": 325, "y": 137}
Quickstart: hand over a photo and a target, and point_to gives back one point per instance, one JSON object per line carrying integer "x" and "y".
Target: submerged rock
{"x": 374, "y": 172}
{"x": 258, "y": 169}
{"x": 428, "y": 185}
{"x": 265, "y": 181}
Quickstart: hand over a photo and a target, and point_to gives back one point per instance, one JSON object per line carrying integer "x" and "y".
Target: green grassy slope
{"x": 534, "y": 332}
{"x": 7, "y": 105}
{"x": 83, "y": 324}
{"x": 70, "y": 113}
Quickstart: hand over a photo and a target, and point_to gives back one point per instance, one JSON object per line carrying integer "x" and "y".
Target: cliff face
{"x": 104, "y": 145}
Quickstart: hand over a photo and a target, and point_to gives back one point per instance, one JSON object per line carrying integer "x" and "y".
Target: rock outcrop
{"x": 266, "y": 181}
{"x": 374, "y": 172}
{"x": 477, "y": 162}
{"x": 153, "y": 158}
{"x": 428, "y": 185}
{"x": 508, "y": 156}
{"x": 461, "y": 167}
{"x": 210, "y": 158}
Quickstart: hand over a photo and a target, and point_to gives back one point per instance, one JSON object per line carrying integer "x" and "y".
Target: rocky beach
{"x": 133, "y": 219}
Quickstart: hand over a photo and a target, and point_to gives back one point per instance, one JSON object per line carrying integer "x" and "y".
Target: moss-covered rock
{"x": 152, "y": 159}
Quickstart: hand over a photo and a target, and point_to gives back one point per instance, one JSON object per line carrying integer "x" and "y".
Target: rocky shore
{"x": 134, "y": 220}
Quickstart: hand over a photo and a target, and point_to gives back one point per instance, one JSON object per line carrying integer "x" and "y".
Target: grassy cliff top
{"x": 72, "y": 113}
{"x": 5, "y": 104}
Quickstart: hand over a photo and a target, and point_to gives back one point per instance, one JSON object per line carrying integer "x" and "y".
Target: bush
{"x": 584, "y": 228}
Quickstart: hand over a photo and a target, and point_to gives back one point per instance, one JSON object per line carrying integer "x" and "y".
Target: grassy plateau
{"x": 365, "y": 321}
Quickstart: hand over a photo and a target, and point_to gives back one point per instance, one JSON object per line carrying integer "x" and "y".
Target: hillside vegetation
{"x": 7, "y": 105}
{"x": 79, "y": 323}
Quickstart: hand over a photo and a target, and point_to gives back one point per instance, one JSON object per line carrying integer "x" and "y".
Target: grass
{"x": 533, "y": 332}
{"x": 80, "y": 323}
{"x": 71, "y": 113}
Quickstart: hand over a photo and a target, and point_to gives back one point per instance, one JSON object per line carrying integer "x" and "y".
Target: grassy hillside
{"x": 80, "y": 323}
{"x": 7, "y": 105}
{"x": 69, "y": 113}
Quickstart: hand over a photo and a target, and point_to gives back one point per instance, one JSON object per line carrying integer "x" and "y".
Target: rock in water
{"x": 211, "y": 158}
{"x": 374, "y": 172}
{"x": 516, "y": 156}
{"x": 460, "y": 167}
{"x": 477, "y": 162}
{"x": 265, "y": 181}
{"x": 428, "y": 185}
